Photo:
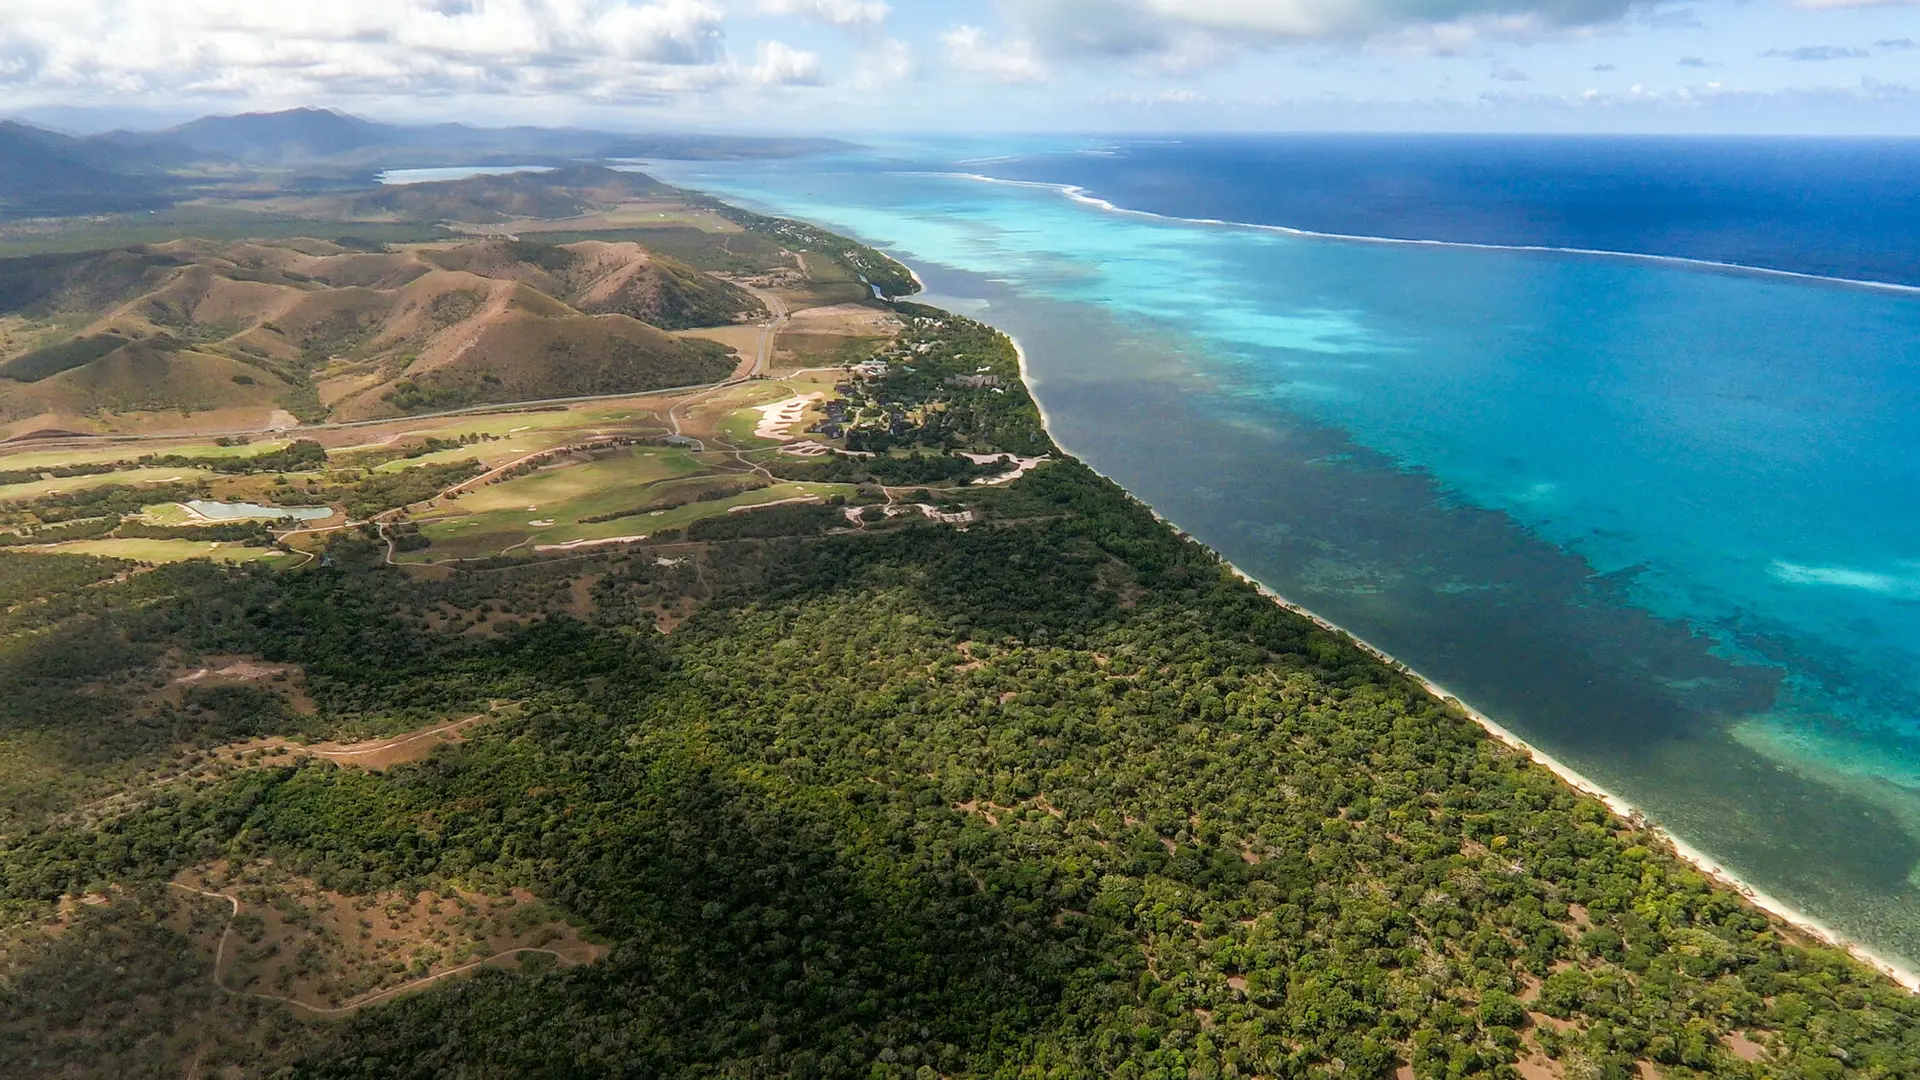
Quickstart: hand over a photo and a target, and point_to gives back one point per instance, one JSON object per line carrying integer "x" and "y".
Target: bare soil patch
{"x": 290, "y": 940}
{"x": 374, "y": 755}
{"x": 1539, "y": 1067}
{"x": 847, "y": 320}
{"x": 288, "y": 680}
{"x": 1743, "y": 1047}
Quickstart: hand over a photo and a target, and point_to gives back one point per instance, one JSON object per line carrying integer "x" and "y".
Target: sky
{"x": 981, "y": 66}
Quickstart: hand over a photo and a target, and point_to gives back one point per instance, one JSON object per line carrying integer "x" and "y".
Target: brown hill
{"x": 610, "y": 279}
{"x": 133, "y": 339}
{"x": 561, "y": 193}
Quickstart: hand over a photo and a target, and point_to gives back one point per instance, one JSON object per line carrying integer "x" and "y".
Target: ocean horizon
{"x": 1645, "y": 511}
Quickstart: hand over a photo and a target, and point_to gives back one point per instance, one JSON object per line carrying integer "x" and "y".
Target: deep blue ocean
{"x": 1847, "y": 208}
{"x": 1662, "y": 519}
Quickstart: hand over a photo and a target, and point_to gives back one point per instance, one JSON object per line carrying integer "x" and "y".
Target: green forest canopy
{"x": 1057, "y": 795}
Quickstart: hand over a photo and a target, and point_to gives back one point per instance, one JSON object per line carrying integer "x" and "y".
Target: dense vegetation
{"x": 890, "y": 278}
{"x": 1054, "y": 796}
{"x": 297, "y": 455}
{"x": 364, "y": 495}
{"x": 921, "y": 397}
{"x": 1052, "y": 799}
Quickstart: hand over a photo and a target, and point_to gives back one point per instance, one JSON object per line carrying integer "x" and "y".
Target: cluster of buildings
{"x": 835, "y": 425}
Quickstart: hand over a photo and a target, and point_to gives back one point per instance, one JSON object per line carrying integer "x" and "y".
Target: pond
{"x": 246, "y": 511}
{"x": 455, "y": 172}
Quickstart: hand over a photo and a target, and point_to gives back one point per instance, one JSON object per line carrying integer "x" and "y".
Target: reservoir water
{"x": 246, "y": 511}
{"x": 455, "y": 172}
{"x": 1660, "y": 518}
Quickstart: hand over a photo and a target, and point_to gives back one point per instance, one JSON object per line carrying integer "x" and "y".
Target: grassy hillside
{"x": 314, "y": 328}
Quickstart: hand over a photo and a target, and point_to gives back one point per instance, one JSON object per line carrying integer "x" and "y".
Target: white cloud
{"x": 1816, "y": 53}
{"x": 598, "y": 49}
{"x": 1009, "y": 61}
{"x": 783, "y": 65}
{"x": 1186, "y": 34}
{"x": 886, "y": 64}
{"x": 1171, "y": 96}
{"x": 835, "y": 12}
{"x": 1717, "y": 95}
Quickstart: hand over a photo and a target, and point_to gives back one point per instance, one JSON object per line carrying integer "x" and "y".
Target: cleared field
{"x": 823, "y": 350}
{"x": 492, "y": 533}
{"x": 606, "y": 484}
{"x": 127, "y": 451}
{"x": 164, "y": 551}
{"x": 169, "y": 514}
{"x": 491, "y": 453}
{"x": 637, "y": 216}
{"x": 124, "y": 478}
{"x": 743, "y": 339}
{"x": 638, "y": 412}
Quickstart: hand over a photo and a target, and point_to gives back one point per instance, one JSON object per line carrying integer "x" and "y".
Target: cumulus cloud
{"x": 1190, "y": 33}
{"x": 1816, "y": 52}
{"x": 1696, "y": 62}
{"x": 1010, "y": 61}
{"x": 1503, "y": 73}
{"x": 602, "y": 49}
{"x": 780, "y": 64}
{"x": 885, "y": 64}
{"x": 833, "y": 12}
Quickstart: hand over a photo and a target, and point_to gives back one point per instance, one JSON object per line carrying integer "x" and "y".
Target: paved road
{"x": 769, "y": 330}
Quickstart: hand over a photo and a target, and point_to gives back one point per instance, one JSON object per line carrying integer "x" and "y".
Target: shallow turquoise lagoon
{"x": 1664, "y": 521}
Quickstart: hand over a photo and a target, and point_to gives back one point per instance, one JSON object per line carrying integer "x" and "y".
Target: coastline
{"x": 1906, "y": 977}
{"x": 1081, "y": 195}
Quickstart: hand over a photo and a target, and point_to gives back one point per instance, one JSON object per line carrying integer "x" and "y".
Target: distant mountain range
{"x": 44, "y": 173}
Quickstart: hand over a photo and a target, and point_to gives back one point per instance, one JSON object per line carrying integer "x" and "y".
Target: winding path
{"x": 220, "y": 956}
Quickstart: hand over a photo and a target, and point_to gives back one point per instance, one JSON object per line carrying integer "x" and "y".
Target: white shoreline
{"x": 1908, "y": 978}
{"x": 1081, "y": 195}
{"x": 1700, "y": 860}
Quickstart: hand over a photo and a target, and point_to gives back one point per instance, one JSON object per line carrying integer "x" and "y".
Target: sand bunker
{"x": 775, "y": 419}
{"x": 575, "y": 545}
{"x": 1021, "y": 466}
{"x": 776, "y": 502}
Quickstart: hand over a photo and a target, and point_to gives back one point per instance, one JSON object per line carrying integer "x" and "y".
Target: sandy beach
{"x": 1906, "y": 976}
{"x": 1701, "y": 861}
